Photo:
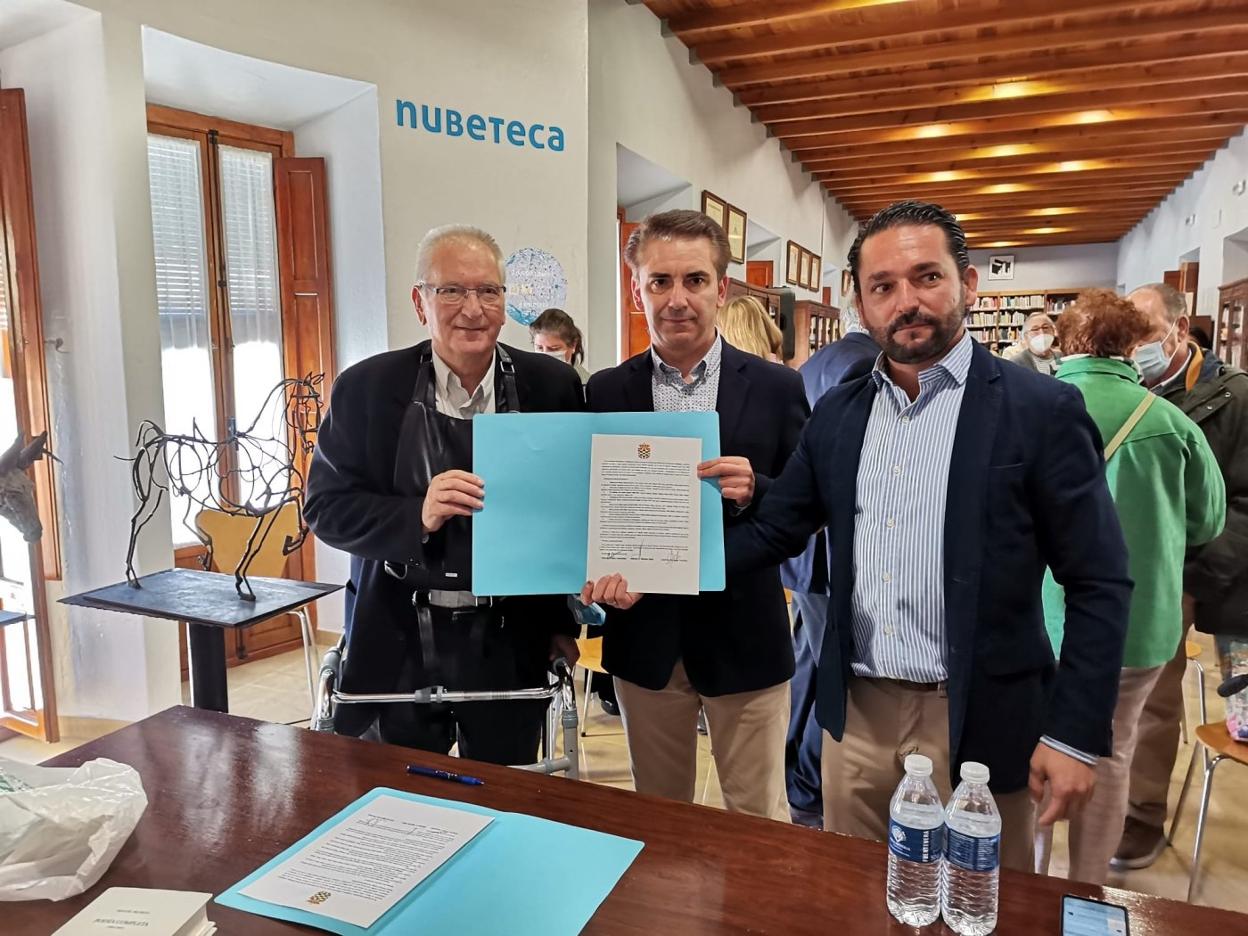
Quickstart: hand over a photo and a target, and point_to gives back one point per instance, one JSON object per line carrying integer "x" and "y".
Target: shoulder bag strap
{"x": 1135, "y": 417}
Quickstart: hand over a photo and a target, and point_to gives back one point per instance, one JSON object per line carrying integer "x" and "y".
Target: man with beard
{"x": 952, "y": 480}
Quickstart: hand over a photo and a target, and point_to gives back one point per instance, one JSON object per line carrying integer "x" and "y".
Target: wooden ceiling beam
{"x": 1028, "y": 96}
{"x": 1034, "y": 165}
{"x": 1034, "y": 41}
{"x": 973, "y": 201}
{"x": 1058, "y": 188}
{"x": 1077, "y": 64}
{"x": 948, "y": 156}
{"x": 1231, "y": 110}
{"x": 762, "y": 13}
{"x": 900, "y": 22}
{"x": 1014, "y": 243}
{"x": 1204, "y": 96}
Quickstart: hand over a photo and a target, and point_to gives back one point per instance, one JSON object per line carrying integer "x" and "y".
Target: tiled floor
{"x": 276, "y": 690}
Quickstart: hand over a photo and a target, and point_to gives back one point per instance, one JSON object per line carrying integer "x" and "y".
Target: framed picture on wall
{"x": 1001, "y": 267}
{"x": 791, "y": 268}
{"x": 714, "y": 208}
{"x": 847, "y": 284}
{"x": 736, "y": 234}
{"x": 804, "y": 278}
{"x": 816, "y": 271}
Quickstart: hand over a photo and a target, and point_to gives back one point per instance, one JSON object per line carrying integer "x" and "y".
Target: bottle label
{"x": 972, "y": 852}
{"x": 921, "y": 845}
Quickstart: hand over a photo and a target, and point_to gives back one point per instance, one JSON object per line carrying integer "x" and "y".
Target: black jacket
{"x": 1216, "y": 574}
{"x": 737, "y": 640}
{"x": 1026, "y": 490}
{"x": 353, "y": 505}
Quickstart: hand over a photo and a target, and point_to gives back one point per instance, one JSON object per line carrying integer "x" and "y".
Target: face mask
{"x": 1152, "y": 359}
{"x": 1040, "y": 344}
{"x": 557, "y": 355}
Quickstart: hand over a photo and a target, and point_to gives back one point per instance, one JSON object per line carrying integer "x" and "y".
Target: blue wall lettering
{"x": 478, "y": 128}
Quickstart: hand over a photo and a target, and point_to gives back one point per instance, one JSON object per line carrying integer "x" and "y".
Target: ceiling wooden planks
{"x": 1041, "y": 121}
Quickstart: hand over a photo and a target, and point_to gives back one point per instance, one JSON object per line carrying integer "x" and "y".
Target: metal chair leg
{"x": 1202, "y": 705}
{"x": 584, "y": 719}
{"x": 1200, "y": 825}
{"x": 1187, "y": 782}
{"x": 309, "y": 649}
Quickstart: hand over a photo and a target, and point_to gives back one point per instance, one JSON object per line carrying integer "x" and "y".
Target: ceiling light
{"x": 1004, "y": 188}
{"x": 1001, "y": 244}
{"x": 930, "y": 131}
{"x": 1089, "y": 116}
{"x": 1048, "y": 230}
{"x": 1052, "y": 212}
{"x": 972, "y": 216}
{"x": 945, "y": 176}
{"x": 1006, "y": 150}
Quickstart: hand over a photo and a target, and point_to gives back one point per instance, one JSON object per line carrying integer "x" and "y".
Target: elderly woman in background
{"x": 555, "y": 334}
{"x": 745, "y": 324}
{"x": 1035, "y": 349}
{"x": 1170, "y": 497}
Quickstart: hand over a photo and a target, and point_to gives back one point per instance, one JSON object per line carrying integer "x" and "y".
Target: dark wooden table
{"x": 227, "y": 794}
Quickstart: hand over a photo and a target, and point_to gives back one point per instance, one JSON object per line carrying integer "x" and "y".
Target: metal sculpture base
{"x": 209, "y": 604}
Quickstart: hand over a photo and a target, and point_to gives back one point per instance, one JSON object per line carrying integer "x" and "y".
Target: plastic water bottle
{"x": 915, "y": 843}
{"x": 972, "y": 855}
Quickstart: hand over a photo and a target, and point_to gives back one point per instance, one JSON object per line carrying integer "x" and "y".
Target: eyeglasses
{"x": 490, "y": 297}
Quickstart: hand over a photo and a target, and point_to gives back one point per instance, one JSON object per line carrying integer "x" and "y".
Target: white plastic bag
{"x": 61, "y": 827}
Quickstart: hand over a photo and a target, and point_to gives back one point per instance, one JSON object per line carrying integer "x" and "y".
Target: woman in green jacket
{"x": 1170, "y": 497}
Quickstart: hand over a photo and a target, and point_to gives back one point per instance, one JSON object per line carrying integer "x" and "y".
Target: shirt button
{"x": 890, "y": 523}
{"x": 905, "y": 419}
{"x": 888, "y": 630}
{"x": 887, "y": 577}
{"x": 896, "y": 469}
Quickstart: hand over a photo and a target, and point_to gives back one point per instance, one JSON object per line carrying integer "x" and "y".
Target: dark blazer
{"x": 1026, "y": 489}
{"x": 832, "y": 365}
{"x": 354, "y": 505}
{"x": 736, "y": 640}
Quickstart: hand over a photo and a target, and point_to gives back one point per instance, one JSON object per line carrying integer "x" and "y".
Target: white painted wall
{"x": 85, "y": 111}
{"x": 1157, "y": 243}
{"x": 1048, "y": 268}
{"x": 644, "y": 95}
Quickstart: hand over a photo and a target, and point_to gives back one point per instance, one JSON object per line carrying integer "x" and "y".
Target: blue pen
{"x": 444, "y": 775}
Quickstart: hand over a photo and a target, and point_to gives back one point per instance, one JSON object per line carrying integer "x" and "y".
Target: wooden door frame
{"x": 17, "y": 222}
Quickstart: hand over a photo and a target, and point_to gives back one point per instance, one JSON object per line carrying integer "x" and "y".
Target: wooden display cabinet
{"x": 1232, "y": 338}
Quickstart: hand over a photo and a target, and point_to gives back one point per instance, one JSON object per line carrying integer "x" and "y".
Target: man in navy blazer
{"x": 948, "y": 481}
{"x": 727, "y": 652}
{"x": 806, "y": 576}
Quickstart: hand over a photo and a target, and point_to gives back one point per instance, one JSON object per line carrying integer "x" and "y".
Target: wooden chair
{"x": 590, "y": 661}
{"x": 229, "y": 535}
{"x": 1212, "y": 738}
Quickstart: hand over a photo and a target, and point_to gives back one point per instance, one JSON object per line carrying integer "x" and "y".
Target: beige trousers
{"x": 747, "y": 741}
{"x": 1097, "y": 829}
{"x": 1157, "y": 745}
{"x": 885, "y": 721}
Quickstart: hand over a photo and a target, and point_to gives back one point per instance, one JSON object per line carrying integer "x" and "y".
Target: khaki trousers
{"x": 885, "y": 721}
{"x": 747, "y": 732}
{"x": 1097, "y": 828}
{"x": 1157, "y": 746}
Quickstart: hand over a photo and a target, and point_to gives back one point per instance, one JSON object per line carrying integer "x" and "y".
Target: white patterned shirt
{"x": 673, "y": 395}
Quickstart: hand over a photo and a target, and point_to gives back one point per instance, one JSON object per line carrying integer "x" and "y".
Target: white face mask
{"x": 1152, "y": 359}
{"x": 1040, "y": 344}
{"x": 557, "y": 355}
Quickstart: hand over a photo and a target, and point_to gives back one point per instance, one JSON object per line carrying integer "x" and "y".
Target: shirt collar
{"x": 1177, "y": 376}
{"x": 956, "y": 364}
{"x": 704, "y": 368}
{"x": 449, "y": 384}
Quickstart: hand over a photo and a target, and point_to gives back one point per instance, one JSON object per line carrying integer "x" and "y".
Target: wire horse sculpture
{"x": 247, "y": 474}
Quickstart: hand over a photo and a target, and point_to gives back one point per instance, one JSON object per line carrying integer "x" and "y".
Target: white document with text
{"x": 367, "y": 863}
{"x": 645, "y": 515}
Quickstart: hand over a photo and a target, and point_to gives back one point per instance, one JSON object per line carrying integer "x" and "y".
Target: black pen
{"x": 444, "y": 775}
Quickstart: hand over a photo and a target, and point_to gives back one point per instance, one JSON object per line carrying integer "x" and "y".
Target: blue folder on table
{"x": 532, "y": 537}
{"x": 520, "y": 875}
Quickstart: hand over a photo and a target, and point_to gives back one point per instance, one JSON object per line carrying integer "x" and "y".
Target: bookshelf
{"x": 997, "y": 318}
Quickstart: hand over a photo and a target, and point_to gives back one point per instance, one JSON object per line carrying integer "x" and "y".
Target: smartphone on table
{"x": 1082, "y": 916}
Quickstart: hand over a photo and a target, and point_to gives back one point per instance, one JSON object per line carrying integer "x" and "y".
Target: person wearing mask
{"x": 1036, "y": 349}
{"x": 555, "y": 334}
{"x": 729, "y": 653}
{"x": 948, "y": 481}
{"x": 1215, "y": 576}
{"x": 745, "y": 324}
{"x": 1170, "y": 498}
{"x": 391, "y": 484}
{"x": 806, "y": 576}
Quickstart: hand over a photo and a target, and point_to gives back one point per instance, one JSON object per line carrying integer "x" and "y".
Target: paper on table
{"x": 644, "y": 514}
{"x": 363, "y": 866}
{"x": 142, "y": 910}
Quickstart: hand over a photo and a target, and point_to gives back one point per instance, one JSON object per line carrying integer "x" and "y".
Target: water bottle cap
{"x": 918, "y": 765}
{"x": 973, "y": 772}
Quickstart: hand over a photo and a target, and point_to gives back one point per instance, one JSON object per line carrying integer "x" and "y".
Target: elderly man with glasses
{"x": 391, "y": 484}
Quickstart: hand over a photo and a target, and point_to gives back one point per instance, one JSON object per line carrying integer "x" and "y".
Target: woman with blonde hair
{"x": 745, "y": 324}
{"x": 1169, "y": 493}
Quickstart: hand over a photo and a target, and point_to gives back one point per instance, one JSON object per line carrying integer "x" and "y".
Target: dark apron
{"x": 431, "y": 443}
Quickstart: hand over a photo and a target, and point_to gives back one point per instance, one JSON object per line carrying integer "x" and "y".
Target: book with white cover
{"x": 143, "y": 910}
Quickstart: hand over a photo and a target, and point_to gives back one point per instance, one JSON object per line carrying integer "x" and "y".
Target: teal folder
{"x": 532, "y": 537}
{"x": 520, "y": 875}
